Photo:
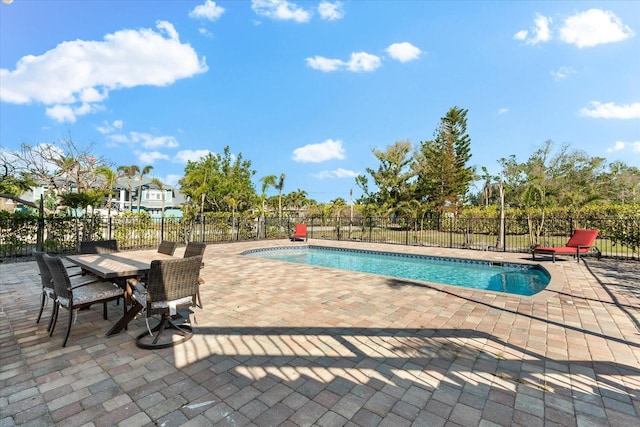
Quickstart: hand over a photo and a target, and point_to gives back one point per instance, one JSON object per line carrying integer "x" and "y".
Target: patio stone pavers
{"x": 288, "y": 344}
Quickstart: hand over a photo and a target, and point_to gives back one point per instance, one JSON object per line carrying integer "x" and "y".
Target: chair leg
{"x": 64, "y": 344}
{"x": 150, "y": 341}
{"x": 104, "y": 310}
{"x": 42, "y": 301}
{"x": 54, "y": 318}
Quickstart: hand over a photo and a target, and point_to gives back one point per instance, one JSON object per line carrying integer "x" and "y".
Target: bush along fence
{"x": 619, "y": 236}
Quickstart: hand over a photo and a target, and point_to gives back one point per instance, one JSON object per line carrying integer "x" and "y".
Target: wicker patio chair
{"x": 171, "y": 284}
{"x": 73, "y": 296}
{"x": 196, "y": 249}
{"x": 166, "y": 247}
{"x": 48, "y": 293}
{"x": 98, "y": 246}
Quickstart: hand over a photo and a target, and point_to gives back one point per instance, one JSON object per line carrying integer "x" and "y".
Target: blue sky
{"x": 309, "y": 88}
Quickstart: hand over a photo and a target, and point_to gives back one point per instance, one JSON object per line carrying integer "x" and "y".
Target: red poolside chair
{"x": 580, "y": 243}
{"x": 300, "y": 233}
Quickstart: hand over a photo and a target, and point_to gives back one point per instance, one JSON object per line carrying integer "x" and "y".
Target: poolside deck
{"x": 295, "y": 345}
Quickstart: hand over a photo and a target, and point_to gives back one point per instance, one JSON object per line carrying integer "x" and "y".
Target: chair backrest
{"x": 45, "y": 273}
{"x": 301, "y": 230}
{"x": 171, "y": 279}
{"x": 582, "y": 238}
{"x": 166, "y": 247}
{"x": 61, "y": 282}
{"x": 194, "y": 249}
{"x": 98, "y": 246}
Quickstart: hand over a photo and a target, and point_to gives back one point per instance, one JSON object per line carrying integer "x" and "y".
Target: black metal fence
{"x": 618, "y": 238}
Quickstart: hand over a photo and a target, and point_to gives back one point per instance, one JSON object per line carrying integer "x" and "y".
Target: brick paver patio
{"x": 294, "y": 345}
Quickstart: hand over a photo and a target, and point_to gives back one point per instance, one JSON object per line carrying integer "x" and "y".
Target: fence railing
{"x": 618, "y": 238}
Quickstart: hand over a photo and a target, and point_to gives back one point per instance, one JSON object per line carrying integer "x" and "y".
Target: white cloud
{"x": 321, "y": 152}
{"x": 183, "y": 156}
{"x": 622, "y": 145}
{"x": 594, "y": 27}
{"x": 324, "y": 64}
{"x": 108, "y": 128}
{"x": 205, "y": 32}
{"x": 281, "y": 10}
{"x": 331, "y": 11}
{"x": 208, "y": 10}
{"x": 540, "y": 32}
{"x": 503, "y": 111}
{"x": 72, "y": 78}
{"x": 149, "y": 141}
{"x": 562, "y": 73}
{"x": 363, "y": 61}
{"x": 359, "y": 61}
{"x": 403, "y": 52}
{"x": 149, "y": 157}
{"x": 611, "y": 110}
{"x": 337, "y": 173}
{"x": 521, "y": 35}
{"x": 61, "y": 113}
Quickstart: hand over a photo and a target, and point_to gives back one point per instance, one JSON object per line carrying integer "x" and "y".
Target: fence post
{"x": 504, "y": 237}
{"x": 406, "y": 235}
{"x": 40, "y": 235}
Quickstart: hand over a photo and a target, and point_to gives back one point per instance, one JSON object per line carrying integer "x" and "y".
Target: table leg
{"x": 124, "y": 320}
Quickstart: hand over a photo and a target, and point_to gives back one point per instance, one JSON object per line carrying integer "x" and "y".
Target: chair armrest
{"x": 137, "y": 285}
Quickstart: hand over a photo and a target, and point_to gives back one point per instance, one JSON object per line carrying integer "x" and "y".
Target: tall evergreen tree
{"x": 441, "y": 164}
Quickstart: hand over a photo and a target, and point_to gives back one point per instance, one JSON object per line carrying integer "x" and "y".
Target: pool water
{"x": 511, "y": 278}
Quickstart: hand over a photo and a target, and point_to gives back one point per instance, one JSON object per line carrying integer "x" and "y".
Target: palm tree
{"x": 279, "y": 187}
{"x": 110, "y": 181}
{"x": 145, "y": 171}
{"x": 160, "y": 185}
{"x": 129, "y": 172}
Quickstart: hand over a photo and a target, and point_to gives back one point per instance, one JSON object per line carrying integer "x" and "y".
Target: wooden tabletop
{"x": 118, "y": 264}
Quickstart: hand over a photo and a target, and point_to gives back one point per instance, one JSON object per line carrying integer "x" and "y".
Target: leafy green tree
{"x": 110, "y": 178}
{"x": 13, "y": 183}
{"x": 393, "y": 178}
{"x": 219, "y": 182}
{"x": 621, "y": 184}
{"x": 443, "y": 174}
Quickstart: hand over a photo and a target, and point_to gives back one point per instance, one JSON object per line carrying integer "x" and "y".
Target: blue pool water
{"x": 511, "y": 278}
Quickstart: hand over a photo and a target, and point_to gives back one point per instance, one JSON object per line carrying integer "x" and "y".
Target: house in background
{"x": 125, "y": 198}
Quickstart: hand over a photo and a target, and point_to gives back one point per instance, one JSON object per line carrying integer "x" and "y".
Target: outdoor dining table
{"x": 120, "y": 265}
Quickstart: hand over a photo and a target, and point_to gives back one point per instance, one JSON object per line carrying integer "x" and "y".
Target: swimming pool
{"x": 511, "y": 278}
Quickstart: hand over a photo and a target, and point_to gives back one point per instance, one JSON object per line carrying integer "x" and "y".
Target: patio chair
{"x": 196, "y": 249}
{"x": 98, "y": 246}
{"x": 48, "y": 293}
{"x": 300, "y": 233}
{"x": 166, "y": 247}
{"x": 172, "y": 284}
{"x": 580, "y": 243}
{"x": 76, "y": 296}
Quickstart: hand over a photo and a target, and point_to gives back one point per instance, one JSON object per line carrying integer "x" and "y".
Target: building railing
{"x": 618, "y": 238}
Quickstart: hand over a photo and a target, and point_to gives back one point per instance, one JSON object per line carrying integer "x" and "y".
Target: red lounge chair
{"x": 580, "y": 243}
{"x": 300, "y": 233}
